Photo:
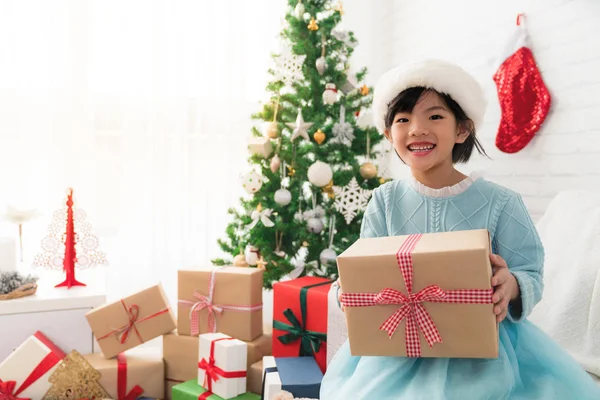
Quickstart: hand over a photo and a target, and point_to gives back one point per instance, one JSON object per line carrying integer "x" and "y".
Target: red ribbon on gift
{"x": 132, "y": 311}
{"x": 122, "y": 394}
{"x": 212, "y": 373}
{"x": 412, "y": 308}
{"x": 7, "y": 388}
{"x": 206, "y": 302}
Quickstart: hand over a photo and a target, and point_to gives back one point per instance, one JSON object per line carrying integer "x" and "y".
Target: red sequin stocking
{"x": 524, "y": 98}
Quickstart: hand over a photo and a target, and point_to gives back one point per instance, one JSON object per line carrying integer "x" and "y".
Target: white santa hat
{"x": 441, "y": 76}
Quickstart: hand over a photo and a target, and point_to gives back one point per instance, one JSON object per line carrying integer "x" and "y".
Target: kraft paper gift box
{"x": 190, "y": 390}
{"x": 130, "y": 375}
{"x": 300, "y": 318}
{"x": 254, "y": 378}
{"x": 131, "y": 321}
{"x": 448, "y": 277}
{"x": 222, "y": 365}
{"x": 301, "y": 376}
{"x": 26, "y": 371}
{"x": 223, "y": 299}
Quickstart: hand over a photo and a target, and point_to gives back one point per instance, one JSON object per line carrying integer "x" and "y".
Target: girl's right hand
{"x": 339, "y": 285}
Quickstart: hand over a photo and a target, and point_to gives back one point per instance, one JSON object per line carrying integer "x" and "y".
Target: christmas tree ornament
{"x": 279, "y": 242}
{"x": 343, "y": 131}
{"x": 524, "y": 98}
{"x": 330, "y": 95}
{"x": 319, "y": 136}
{"x": 70, "y": 244}
{"x": 314, "y": 217}
{"x": 288, "y": 67}
{"x": 261, "y": 263}
{"x": 275, "y": 163}
{"x": 260, "y": 146}
{"x": 251, "y": 182}
{"x": 312, "y": 25}
{"x": 74, "y": 379}
{"x": 291, "y": 171}
{"x": 329, "y": 256}
{"x": 328, "y": 190}
{"x": 314, "y": 225}
{"x": 320, "y": 173}
{"x": 262, "y": 215}
{"x": 252, "y": 255}
{"x": 270, "y": 129}
{"x": 339, "y": 8}
{"x": 240, "y": 261}
{"x": 321, "y": 62}
{"x": 368, "y": 170}
{"x": 364, "y": 90}
{"x": 283, "y": 197}
{"x": 364, "y": 119}
{"x": 300, "y": 127}
{"x": 299, "y": 10}
{"x": 351, "y": 199}
{"x": 351, "y": 83}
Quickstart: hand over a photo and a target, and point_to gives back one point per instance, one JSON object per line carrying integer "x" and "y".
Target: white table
{"x": 59, "y": 313}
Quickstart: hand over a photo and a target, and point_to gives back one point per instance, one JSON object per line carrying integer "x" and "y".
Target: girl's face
{"x": 424, "y": 138}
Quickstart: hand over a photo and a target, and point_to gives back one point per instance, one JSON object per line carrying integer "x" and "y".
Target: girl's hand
{"x": 506, "y": 287}
{"x": 339, "y": 283}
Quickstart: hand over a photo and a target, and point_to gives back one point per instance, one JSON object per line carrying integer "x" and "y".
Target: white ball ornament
{"x": 314, "y": 225}
{"x": 252, "y": 182}
{"x": 330, "y": 95}
{"x": 320, "y": 174}
{"x": 283, "y": 197}
{"x": 299, "y": 11}
{"x": 328, "y": 257}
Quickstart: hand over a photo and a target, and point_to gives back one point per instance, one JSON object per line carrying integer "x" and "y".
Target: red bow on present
{"x": 7, "y": 391}
{"x": 133, "y": 312}
{"x": 412, "y": 308}
{"x": 212, "y": 373}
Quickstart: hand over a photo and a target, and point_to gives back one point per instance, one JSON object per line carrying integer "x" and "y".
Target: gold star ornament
{"x": 364, "y": 90}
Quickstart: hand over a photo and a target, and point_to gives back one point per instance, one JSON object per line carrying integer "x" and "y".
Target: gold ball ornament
{"x": 240, "y": 261}
{"x": 312, "y": 25}
{"x": 271, "y": 130}
{"x": 368, "y": 170}
{"x": 319, "y": 136}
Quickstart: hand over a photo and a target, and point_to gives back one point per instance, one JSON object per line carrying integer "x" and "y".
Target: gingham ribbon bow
{"x": 206, "y": 302}
{"x": 412, "y": 308}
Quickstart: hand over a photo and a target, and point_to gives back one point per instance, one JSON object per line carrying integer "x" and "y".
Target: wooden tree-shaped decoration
{"x": 69, "y": 243}
{"x": 75, "y": 378}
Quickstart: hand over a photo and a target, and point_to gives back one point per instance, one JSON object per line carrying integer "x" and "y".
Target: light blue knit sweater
{"x": 401, "y": 207}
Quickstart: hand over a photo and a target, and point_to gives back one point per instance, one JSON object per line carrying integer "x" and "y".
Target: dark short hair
{"x": 405, "y": 102}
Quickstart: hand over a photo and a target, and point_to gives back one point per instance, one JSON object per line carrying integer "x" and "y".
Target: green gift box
{"x": 190, "y": 390}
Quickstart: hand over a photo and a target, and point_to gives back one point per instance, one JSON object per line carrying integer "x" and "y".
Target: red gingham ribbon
{"x": 212, "y": 373}
{"x": 132, "y": 314}
{"x": 412, "y": 308}
{"x": 206, "y": 302}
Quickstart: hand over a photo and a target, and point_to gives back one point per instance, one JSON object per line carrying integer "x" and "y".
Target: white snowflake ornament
{"x": 288, "y": 67}
{"x": 351, "y": 199}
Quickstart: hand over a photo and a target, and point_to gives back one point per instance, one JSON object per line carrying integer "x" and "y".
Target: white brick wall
{"x": 565, "y": 38}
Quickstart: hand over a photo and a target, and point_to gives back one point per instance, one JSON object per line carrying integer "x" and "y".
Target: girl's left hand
{"x": 506, "y": 287}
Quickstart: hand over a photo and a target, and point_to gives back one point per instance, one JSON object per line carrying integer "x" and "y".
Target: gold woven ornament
{"x": 312, "y": 25}
{"x": 364, "y": 90}
{"x": 75, "y": 379}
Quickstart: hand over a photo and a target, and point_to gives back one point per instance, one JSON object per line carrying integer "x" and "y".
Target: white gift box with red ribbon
{"x": 25, "y": 373}
{"x": 222, "y": 364}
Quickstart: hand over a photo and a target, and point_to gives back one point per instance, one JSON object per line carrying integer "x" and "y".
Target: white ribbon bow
{"x": 262, "y": 216}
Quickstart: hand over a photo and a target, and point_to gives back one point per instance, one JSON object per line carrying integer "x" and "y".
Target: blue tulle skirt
{"x": 530, "y": 366}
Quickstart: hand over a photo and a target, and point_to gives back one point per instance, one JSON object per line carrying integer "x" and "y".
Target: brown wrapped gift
{"x": 254, "y": 378}
{"x": 147, "y": 371}
{"x": 223, "y": 299}
{"x": 131, "y": 321}
{"x": 370, "y": 275}
{"x": 181, "y": 354}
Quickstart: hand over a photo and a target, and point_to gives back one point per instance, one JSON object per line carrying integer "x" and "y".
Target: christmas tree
{"x": 311, "y": 169}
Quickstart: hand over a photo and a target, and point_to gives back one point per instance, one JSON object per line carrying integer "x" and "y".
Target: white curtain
{"x": 143, "y": 107}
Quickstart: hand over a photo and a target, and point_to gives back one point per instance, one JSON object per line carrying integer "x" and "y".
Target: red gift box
{"x": 300, "y": 318}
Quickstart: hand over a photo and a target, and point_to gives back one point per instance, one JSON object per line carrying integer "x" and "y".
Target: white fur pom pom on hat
{"x": 441, "y": 76}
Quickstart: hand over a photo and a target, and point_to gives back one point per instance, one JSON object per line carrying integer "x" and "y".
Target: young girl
{"x": 430, "y": 112}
